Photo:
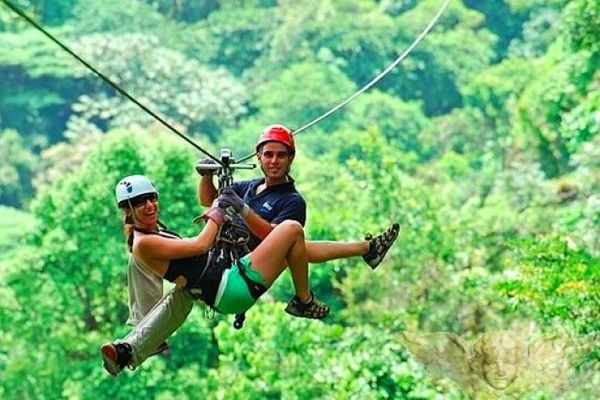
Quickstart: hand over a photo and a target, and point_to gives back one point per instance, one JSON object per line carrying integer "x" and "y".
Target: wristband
{"x": 245, "y": 211}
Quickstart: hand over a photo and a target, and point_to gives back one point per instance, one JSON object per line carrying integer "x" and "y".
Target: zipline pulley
{"x": 226, "y": 169}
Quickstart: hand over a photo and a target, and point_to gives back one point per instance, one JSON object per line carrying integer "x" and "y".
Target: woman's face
{"x": 145, "y": 210}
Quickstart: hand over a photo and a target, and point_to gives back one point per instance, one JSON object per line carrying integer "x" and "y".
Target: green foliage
{"x": 483, "y": 144}
{"x": 202, "y": 99}
{"x": 186, "y": 11}
{"x": 74, "y": 268}
{"x": 242, "y": 35}
{"x": 539, "y": 32}
{"x": 275, "y": 356}
{"x": 433, "y": 73}
{"x": 500, "y": 19}
{"x": 16, "y": 170}
{"x": 101, "y": 17}
{"x": 35, "y": 54}
{"x": 560, "y": 281}
{"x": 32, "y": 71}
{"x": 498, "y": 86}
{"x": 105, "y": 16}
{"x": 399, "y": 122}
{"x": 559, "y": 88}
{"x": 360, "y": 47}
{"x": 582, "y": 25}
{"x": 13, "y": 227}
{"x": 296, "y": 104}
{"x": 53, "y": 13}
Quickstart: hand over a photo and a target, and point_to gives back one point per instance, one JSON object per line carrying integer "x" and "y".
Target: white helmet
{"x": 133, "y": 186}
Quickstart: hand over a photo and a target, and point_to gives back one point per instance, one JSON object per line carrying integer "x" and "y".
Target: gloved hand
{"x": 229, "y": 198}
{"x": 203, "y": 170}
{"x": 219, "y": 215}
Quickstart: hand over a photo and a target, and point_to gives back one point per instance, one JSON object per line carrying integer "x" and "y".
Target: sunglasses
{"x": 141, "y": 200}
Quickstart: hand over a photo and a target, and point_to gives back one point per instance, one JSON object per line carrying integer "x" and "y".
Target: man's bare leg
{"x": 319, "y": 251}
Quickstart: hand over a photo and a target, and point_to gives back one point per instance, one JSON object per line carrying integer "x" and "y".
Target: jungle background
{"x": 483, "y": 144}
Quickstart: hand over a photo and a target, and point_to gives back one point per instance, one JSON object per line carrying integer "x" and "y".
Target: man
{"x": 273, "y": 199}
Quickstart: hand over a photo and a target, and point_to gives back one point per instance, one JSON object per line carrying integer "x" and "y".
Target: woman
{"x": 229, "y": 289}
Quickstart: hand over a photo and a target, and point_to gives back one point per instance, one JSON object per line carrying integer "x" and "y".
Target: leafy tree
{"x": 539, "y": 32}
{"x": 360, "y": 47}
{"x": 295, "y": 358}
{"x": 292, "y": 101}
{"x": 186, "y": 11}
{"x": 198, "y": 98}
{"x": 17, "y": 169}
{"x": 500, "y": 19}
{"x": 53, "y": 14}
{"x": 559, "y": 87}
{"x": 434, "y": 73}
{"x": 580, "y": 208}
{"x": 69, "y": 282}
{"x": 102, "y": 17}
{"x": 242, "y": 35}
{"x": 38, "y": 83}
{"x": 560, "y": 281}
{"x": 582, "y": 25}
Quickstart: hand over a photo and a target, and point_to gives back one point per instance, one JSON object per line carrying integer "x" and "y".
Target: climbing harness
{"x": 231, "y": 243}
{"x": 373, "y": 81}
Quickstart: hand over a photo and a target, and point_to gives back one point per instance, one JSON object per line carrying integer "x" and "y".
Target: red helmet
{"x": 277, "y": 133}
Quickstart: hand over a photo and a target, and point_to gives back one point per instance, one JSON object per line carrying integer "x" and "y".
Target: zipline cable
{"x": 375, "y": 79}
{"x": 107, "y": 80}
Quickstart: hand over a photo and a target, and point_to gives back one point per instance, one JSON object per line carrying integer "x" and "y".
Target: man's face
{"x": 275, "y": 160}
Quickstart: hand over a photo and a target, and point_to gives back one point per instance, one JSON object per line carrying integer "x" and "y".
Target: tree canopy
{"x": 483, "y": 144}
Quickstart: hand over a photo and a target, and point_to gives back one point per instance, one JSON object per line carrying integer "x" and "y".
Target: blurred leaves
{"x": 483, "y": 144}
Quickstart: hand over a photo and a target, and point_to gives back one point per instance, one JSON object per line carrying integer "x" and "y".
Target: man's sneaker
{"x": 379, "y": 245}
{"x": 116, "y": 356}
{"x": 314, "y": 309}
{"x": 161, "y": 350}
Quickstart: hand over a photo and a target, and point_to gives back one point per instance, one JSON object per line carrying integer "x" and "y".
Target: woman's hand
{"x": 216, "y": 214}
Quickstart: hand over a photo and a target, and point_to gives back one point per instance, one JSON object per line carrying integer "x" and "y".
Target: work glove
{"x": 229, "y": 198}
{"x": 203, "y": 170}
{"x": 218, "y": 215}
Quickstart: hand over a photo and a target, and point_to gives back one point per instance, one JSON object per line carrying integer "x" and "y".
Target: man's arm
{"x": 207, "y": 192}
{"x": 293, "y": 208}
{"x": 257, "y": 225}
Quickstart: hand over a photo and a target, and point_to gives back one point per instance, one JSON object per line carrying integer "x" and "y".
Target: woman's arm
{"x": 158, "y": 247}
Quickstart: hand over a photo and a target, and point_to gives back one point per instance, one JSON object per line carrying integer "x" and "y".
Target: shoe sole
{"x": 295, "y": 313}
{"x": 109, "y": 355}
{"x": 306, "y": 316}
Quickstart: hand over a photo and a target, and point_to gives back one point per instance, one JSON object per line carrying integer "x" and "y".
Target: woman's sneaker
{"x": 116, "y": 356}
{"x": 314, "y": 309}
{"x": 379, "y": 245}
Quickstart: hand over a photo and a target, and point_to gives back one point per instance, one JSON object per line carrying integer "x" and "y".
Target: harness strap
{"x": 256, "y": 289}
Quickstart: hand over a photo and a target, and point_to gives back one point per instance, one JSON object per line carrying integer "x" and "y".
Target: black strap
{"x": 256, "y": 289}
{"x": 163, "y": 229}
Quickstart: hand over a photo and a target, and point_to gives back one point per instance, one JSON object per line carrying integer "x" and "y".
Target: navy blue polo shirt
{"x": 275, "y": 204}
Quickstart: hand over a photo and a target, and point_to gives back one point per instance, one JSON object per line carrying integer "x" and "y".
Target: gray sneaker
{"x": 380, "y": 244}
